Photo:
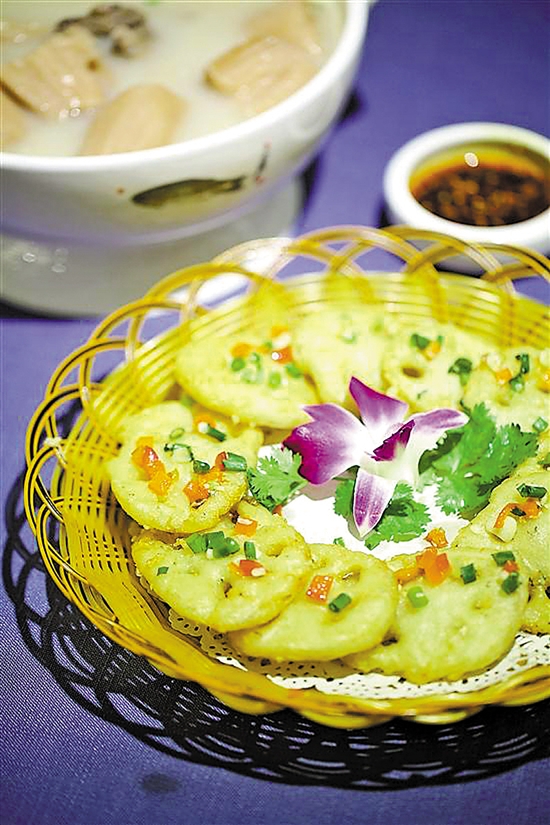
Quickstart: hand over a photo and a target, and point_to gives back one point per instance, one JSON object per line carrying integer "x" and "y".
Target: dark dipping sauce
{"x": 483, "y": 184}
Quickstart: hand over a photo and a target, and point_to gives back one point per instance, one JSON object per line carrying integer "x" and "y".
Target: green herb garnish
{"x": 403, "y": 519}
{"x": 470, "y": 461}
{"x": 276, "y": 478}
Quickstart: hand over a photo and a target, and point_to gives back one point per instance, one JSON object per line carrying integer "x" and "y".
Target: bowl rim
{"x": 405, "y": 208}
{"x": 345, "y": 51}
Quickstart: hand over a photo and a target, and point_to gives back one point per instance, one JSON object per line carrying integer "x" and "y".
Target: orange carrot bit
{"x": 437, "y": 537}
{"x": 531, "y": 507}
{"x": 407, "y": 574}
{"x": 283, "y": 355}
{"x": 544, "y": 381}
{"x": 510, "y": 566}
{"x": 245, "y": 526}
{"x": 161, "y": 481}
{"x": 438, "y": 571}
{"x": 278, "y": 509}
{"x": 503, "y": 376}
{"x": 213, "y": 474}
{"x": 195, "y": 491}
{"x": 507, "y": 511}
{"x": 241, "y": 350}
{"x": 146, "y": 459}
{"x": 319, "y": 588}
{"x": 426, "y": 558}
{"x": 248, "y": 567}
{"x": 433, "y": 349}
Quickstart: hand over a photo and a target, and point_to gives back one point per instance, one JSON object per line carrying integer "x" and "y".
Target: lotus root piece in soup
{"x": 198, "y": 52}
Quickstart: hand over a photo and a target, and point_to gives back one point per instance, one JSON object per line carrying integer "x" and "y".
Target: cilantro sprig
{"x": 469, "y": 462}
{"x": 276, "y": 478}
{"x": 403, "y": 519}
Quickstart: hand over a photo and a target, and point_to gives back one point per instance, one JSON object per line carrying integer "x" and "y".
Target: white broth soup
{"x": 82, "y": 78}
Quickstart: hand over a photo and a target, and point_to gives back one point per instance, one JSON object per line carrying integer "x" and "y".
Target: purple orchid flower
{"x": 384, "y": 446}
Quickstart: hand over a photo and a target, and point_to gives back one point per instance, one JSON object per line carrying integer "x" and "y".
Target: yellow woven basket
{"x": 127, "y": 364}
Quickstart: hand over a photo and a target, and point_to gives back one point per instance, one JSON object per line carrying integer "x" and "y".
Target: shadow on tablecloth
{"x": 185, "y": 721}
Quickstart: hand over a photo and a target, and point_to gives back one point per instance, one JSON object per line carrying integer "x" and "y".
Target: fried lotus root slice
{"x": 308, "y": 629}
{"x": 221, "y": 592}
{"x": 462, "y": 629}
{"x": 513, "y": 396}
{"x": 337, "y": 343}
{"x": 63, "y": 73}
{"x": 527, "y": 537}
{"x": 157, "y": 480}
{"x": 143, "y": 117}
{"x": 261, "y": 72}
{"x": 246, "y": 377}
{"x": 422, "y": 365}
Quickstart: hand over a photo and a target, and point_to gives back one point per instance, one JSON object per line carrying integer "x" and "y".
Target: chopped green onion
{"x": 177, "y": 433}
{"x": 517, "y": 511}
{"x": 255, "y": 358}
{"x": 200, "y": 467}
{"x": 523, "y": 359}
{"x": 468, "y": 573}
{"x": 162, "y": 570}
{"x": 214, "y": 433}
{"x": 517, "y": 383}
{"x": 228, "y": 548}
{"x": 268, "y": 345}
{"x": 339, "y": 541}
{"x": 235, "y": 463}
{"x": 502, "y": 556}
{"x": 511, "y": 582}
{"x": 197, "y": 542}
{"x": 440, "y": 340}
{"x": 215, "y": 539}
{"x": 531, "y": 491}
{"x": 274, "y": 379}
{"x": 238, "y": 363}
{"x": 293, "y": 370}
{"x": 339, "y": 603}
{"x": 540, "y": 424}
{"x": 545, "y": 462}
{"x": 249, "y": 550}
{"x": 417, "y": 597}
{"x": 419, "y": 341}
{"x": 176, "y": 445}
{"x": 461, "y": 367}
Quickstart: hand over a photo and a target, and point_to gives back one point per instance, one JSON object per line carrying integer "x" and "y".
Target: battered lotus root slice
{"x": 337, "y": 343}
{"x": 425, "y": 365}
{"x": 514, "y": 384}
{"x": 462, "y": 629}
{"x": 179, "y": 499}
{"x": 221, "y": 592}
{"x": 250, "y": 375}
{"x": 527, "y": 537}
{"x": 309, "y": 630}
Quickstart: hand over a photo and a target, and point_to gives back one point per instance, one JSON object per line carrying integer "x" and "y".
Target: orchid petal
{"x": 391, "y": 446}
{"x": 371, "y": 496}
{"x": 379, "y": 412}
{"x": 330, "y": 444}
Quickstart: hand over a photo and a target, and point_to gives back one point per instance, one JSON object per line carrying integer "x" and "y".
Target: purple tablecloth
{"x": 93, "y": 735}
